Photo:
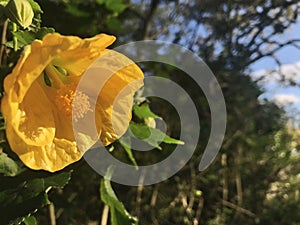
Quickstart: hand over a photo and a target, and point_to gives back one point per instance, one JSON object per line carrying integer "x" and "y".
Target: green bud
{"x": 19, "y": 12}
{"x": 61, "y": 70}
{"x": 150, "y": 122}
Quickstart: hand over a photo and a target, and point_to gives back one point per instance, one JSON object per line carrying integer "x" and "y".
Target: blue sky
{"x": 286, "y": 96}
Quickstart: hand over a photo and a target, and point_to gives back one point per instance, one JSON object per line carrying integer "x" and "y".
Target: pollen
{"x": 69, "y": 101}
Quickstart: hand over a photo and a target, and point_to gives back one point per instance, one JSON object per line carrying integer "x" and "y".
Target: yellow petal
{"x": 114, "y": 104}
{"x": 31, "y": 119}
{"x": 70, "y": 51}
{"x": 27, "y": 70}
{"x": 77, "y": 60}
{"x": 52, "y": 157}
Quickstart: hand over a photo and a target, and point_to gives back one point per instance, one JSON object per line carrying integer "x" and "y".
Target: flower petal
{"x": 51, "y": 157}
{"x": 77, "y": 60}
{"x": 114, "y": 104}
{"x": 32, "y": 122}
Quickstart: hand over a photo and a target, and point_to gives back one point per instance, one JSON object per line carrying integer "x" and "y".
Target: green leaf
{"x": 113, "y": 24}
{"x": 43, "y": 31}
{"x": 35, "y": 7}
{"x": 143, "y": 111}
{"x": 118, "y": 213}
{"x": 126, "y": 144}
{"x": 75, "y": 11}
{"x": 140, "y": 131}
{"x": 170, "y": 140}
{"x": 8, "y": 167}
{"x": 30, "y": 220}
{"x": 26, "y": 37}
{"x": 152, "y": 135}
{"x": 19, "y": 12}
{"x": 36, "y": 22}
{"x": 116, "y": 6}
{"x": 3, "y": 2}
{"x": 25, "y": 193}
{"x": 16, "y": 213}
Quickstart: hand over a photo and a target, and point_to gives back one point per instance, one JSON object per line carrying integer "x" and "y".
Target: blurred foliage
{"x": 254, "y": 179}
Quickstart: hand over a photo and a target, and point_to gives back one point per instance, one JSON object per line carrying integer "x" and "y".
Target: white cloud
{"x": 286, "y": 99}
{"x": 268, "y": 77}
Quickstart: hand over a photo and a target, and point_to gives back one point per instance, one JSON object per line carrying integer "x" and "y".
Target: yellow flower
{"x": 39, "y": 96}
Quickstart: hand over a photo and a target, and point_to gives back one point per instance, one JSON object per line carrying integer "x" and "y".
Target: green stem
{"x": 15, "y": 40}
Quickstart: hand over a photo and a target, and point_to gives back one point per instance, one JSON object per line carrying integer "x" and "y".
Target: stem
{"x": 15, "y": 40}
{"x": 224, "y": 164}
{"x": 52, "y": 214}
{"x": 238, "y": 179}
{"x": 196, "y": 220}
{"x": 139, "y": 192}
{"x": 104, "y": 217}
{"x": 152, "y": 204}
{"x": 3, "y": 40}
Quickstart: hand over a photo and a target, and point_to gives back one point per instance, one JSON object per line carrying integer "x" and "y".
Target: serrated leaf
{"x": 17, "y": 212}
{"x": 118, "y": 213}
{"x": 58, "y": 181}
{"x": 143, "y": 111}
{"x": 26, "y": 37}
{"x": 8, "y": 167}
{"x": 43, "y": 31}
{"x": 27, "y": 192}
{"x": 9, "y": 44}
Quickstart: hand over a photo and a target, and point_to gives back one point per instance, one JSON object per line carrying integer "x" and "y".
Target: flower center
{"x": 67, "y": 99}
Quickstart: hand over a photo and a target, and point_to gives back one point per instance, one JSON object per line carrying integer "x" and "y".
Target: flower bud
{"x": 19, "y": 12}
{"x": 150, "y": 122}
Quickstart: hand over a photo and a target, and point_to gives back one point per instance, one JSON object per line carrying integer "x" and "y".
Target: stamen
{"x": 67, "y": 99}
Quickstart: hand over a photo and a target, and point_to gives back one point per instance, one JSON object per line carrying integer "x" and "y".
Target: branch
{"x": 239, "y": 209}
{"x": 271, "y": 53}
{"x": 153, "y": 204}
{"x": 104, "y": 217}
{"x": 52, "y": 214}
{"x": 3, "y": 40}
{"x": 148, "y": 19}
{"x": 198, "y": 212}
